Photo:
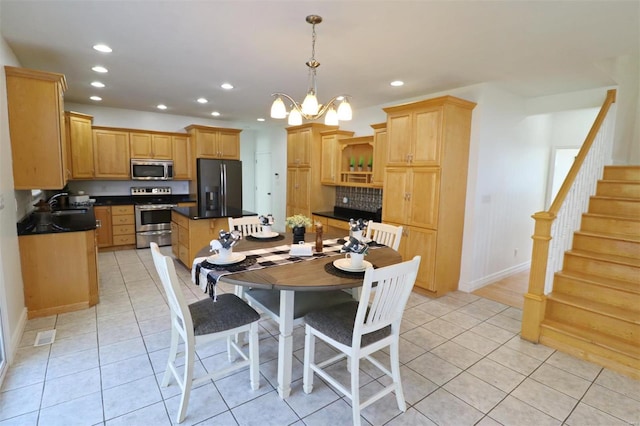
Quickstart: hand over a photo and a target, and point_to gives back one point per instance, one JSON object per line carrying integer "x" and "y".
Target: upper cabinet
{"x": 150, "y": 145}
{"x": 181, "y": 157}
{"x": 111, "y": 153}
{"x": 36, "y": 124}
{"x": 80, "y": 144}
{"x": 330, "y": 171}
{"x": 356, "y": 161}
{"x": 215, "y": 142}
{"x": 299, "y": 147}
{"x": 379, "y": 154}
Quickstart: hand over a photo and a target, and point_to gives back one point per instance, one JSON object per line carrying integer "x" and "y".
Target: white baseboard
{"x": 17, "y": 336}
{"x": 471, "y": 286}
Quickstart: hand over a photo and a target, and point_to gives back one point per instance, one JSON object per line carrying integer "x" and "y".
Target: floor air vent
{"x": 45, "y": 337}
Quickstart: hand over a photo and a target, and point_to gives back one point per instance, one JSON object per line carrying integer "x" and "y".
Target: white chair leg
{"x": 355, "y": 388}
{"x": 309, "y": 358}
{"x": 395, "y": 370}
{"x": 230, "y": 352}
{"x": 254, "y": 357}
{"x": 187, "y": 382}
{"x": 173, "y": 352}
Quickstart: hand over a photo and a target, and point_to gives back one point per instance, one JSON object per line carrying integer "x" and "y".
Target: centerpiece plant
{"x": 298, "y": 224}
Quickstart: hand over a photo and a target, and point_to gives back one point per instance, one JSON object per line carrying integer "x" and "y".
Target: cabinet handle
{"x": 98, "y": 223}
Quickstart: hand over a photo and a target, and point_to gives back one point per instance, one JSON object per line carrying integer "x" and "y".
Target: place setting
{"x": 266, "y": 233}
{"x": 352, "y": 265}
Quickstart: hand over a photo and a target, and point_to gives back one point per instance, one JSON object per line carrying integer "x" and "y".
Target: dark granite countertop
{"x": 194, "y": 214}
{"x": 119, "y": 200}
{"x": 82, "y": 219}
{"x": 343, "y": 213}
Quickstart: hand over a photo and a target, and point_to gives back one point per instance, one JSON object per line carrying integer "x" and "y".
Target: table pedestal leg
{"x": 285, "y": 343}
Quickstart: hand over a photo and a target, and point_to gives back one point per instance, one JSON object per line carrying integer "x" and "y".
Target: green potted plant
{"x": 361, "y": 163}
{"x": 352, "y": 164}
{"x": 298, "y": 224}
{"x": 370, "y": 164}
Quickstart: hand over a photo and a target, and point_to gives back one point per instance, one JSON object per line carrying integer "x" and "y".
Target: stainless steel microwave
{"x": 151, "y": 169}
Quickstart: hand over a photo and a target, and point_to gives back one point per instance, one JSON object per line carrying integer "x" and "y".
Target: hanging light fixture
{"x": 310, "y": 109}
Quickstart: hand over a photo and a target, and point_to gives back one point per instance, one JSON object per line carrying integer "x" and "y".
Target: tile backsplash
{"x": 367, "y": 199}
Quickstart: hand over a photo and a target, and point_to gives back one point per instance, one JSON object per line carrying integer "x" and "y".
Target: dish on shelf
{"x": 271, "y": 234}
{"x": 345, "y": 265}
{"x": 234, "y": 258}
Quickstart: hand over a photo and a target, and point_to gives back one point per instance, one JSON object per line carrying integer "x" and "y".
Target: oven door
{"x": 153, "y": 217}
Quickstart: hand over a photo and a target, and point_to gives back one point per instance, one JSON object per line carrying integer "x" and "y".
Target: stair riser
{"x": 619, "y": 189}
{"x": 597, "y": 293}
{"x": 607, "y": 246}
{"x": 622, "y": 173}
{"x": 623, "y": 208}
{"x": 588, "y": 351}
{"x": 601, "y": 268}
{"x": 595, "y": 321}
{"x": 610, "y": 225}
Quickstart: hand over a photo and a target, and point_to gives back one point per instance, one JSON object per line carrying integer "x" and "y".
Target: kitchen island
{"x": 192, "y": 229}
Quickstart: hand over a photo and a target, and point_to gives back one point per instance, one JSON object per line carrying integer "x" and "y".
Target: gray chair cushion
{"x": 228, "y": 312}
{"x": 337, "y": 322}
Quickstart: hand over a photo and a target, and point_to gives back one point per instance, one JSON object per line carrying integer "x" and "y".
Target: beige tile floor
{"x": 462, "y": 364}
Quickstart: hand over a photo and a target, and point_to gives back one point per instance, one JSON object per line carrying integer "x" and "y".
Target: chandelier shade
{"x": 310, "y": 108}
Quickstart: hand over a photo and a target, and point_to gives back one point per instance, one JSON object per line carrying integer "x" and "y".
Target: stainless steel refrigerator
{"x": 219, "y": 187}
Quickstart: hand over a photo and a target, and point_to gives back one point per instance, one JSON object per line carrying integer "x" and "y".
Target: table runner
{"x": 206, "y": 275}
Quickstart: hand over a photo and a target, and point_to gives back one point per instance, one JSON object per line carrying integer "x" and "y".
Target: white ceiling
{"x": 173, "y": 52}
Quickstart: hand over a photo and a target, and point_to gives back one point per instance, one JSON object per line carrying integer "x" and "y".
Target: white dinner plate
{"x": 363, "y": 240}
{"x": 345, "y": 265}
{"x": 235, "y": 258}
{"x": 272, "y": 234}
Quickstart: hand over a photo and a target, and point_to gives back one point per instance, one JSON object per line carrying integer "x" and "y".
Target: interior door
{"x": 263, "y": 183}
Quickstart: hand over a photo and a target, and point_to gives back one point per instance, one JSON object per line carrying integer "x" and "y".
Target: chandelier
{"x": 310, "y": 109}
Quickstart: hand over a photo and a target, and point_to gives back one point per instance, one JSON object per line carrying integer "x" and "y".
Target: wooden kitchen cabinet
{"x": 79, "y": 144}
{"x": 379, "y": 154}
{"x": 59, "y": 271}
{"x": 104, "y": 234}
{"x": 189, "y": 236}
{"x": 215, "y": 142}
{"x": 330, "y": 162}
{"x": 305, "y": 192}
{"x": 425, "y": 185}
{"x": 155, "y": 146}
{"x": 35, "y": 106}
{"x": 355, "y": 148}
{"x": 111, "y": 153}
{"x": 123, "y": 225}
{"x": 181, "y": 157}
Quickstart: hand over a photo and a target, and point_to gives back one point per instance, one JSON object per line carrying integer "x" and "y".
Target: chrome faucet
{"x": 53, "y": 201}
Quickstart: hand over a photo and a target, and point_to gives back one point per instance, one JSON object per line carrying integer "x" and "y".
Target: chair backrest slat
{"x": 247, "y": 225}
{"x": 383, "y": 233}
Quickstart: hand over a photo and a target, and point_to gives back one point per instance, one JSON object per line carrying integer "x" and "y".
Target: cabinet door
{"x": 424, "y": 196}
{"x": 80, "y": 146}
{"x": 328, "y": 170}
{"x": 291, "y": 190}
{"x": 104, "y": 236}
{"x": 379, "y": 157}
{"x": 399, "y": 139}
{"x": 427, "y": 125}
{"x": 206, "y": 146}
{"x": 303, "y": 187}
{"x": 111, "y": 154}
{"x": 229, "y": 145}
{"x": 421, "y": 242}
{"x": 299, "y": 148}
{"x": 140, "y": 144}
{"x": 161, "y": 147}
{"x": 175, "y": 239}
{"x": 394, "y": 199}
{"x": 181, "y": 157}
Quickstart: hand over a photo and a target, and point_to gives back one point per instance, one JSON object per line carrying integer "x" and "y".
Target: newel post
{"x": 535, "y": 301}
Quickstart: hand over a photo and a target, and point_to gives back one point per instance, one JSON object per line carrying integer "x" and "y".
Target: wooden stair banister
{"x": 541, "y": 272}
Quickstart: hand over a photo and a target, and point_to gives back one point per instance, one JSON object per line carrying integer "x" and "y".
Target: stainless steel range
{"x": 153, "y": 215}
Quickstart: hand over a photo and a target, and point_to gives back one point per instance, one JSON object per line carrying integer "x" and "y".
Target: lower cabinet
{"x": 103, "y": 233}
{"x": 123, "y": 225}
{"x": 189, "y": 236}
{"x": 332, "y": 226}
{"x": 420, "y": 242}
{"x": 59, "y": 271}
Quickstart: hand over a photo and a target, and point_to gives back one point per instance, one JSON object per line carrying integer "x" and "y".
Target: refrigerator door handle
{"x": 223, "y": 187}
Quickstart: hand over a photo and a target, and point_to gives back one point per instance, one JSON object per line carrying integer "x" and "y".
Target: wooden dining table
{"x": 299, "y": 286}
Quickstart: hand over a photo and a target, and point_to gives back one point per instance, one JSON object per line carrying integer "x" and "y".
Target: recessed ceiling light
{"x": 227, "y": 86}
{"x": 162, "y": 106}
{"x": 95, "y": 98}
{"x": 102, "y": 48}
{"x": 100, "y": 69}
{"x": 202, "y": 100}
{"x": 397, "y": 83}
{"x": 215, "y": 113}
{"x": 260, "y": 119}
{"x": 97, "y": 84}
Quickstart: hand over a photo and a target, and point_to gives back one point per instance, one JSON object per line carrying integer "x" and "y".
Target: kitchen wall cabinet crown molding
{"x": 35, "y": 107}
{"x": 330, "y": 161}
{"x": 426, "y": 180}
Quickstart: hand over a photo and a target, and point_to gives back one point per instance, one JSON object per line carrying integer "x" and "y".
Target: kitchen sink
{"x": 68, "y": 212}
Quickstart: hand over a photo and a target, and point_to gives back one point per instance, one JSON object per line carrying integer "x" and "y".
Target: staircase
{"x": 594, "y": 309}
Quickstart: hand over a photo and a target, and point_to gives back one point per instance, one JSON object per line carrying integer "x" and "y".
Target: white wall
{"x": 12, "y": 306}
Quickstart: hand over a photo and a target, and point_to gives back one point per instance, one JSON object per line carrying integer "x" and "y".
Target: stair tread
{"x": 606, "y": 257}
{"x": 615, "y": 198}
{"x": 629, "y": 348}
{"x": 611, "y": 236}
{"x": 612, "y": 216}
{"x": 598, "y": 307}
{"x": 622, "y": 285}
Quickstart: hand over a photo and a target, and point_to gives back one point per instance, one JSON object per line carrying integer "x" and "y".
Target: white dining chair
{"x": 203, "y": 322}
{"x": 383, "y": 233}
{"x": 247, "y": 225}
{"x": 358, "y": 329}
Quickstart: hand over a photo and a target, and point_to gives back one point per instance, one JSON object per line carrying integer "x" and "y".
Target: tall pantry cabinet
{"x": 425, "y": 185}
{"x": 305, "y": 193}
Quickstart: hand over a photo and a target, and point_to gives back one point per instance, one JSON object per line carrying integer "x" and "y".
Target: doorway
{"x": 263, "y": 183}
